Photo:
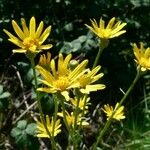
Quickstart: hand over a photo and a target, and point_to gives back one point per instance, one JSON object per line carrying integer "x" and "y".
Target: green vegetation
{"x": 19, "y": 109}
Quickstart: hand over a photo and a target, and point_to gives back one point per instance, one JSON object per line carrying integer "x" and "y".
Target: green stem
{"x": 55, "y": 117}
{"x": 69, "y": 129}
{"x": 103, "y": 44}
{"x": 76, "y": 113}
{"x": 97, "y": 57}
{"x": 39, "y": 103}
{"x": 64, "y": 112}
{"x": 102, "y": 132}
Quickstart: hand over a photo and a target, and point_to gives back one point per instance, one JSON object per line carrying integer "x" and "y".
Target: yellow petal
{"x": 24, "y": 27}
{"x": 111, "y": 23}
{"x": 53, "y": 68}
{"x": 102, "y": 24}
{"x": 18, "y": 30}
{"x": 32, "y": 27}
{"x": 19, "y": 51}
{"x": 39, "y": 29}
{"x": 45, "y": 47}
{"x": 45, "y": 34}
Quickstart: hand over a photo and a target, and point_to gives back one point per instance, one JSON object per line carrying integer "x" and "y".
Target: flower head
{"x": 30, "y": 39}
{"x": 41, "y": 131}
{"x": 70, "y": 117}
{"x": 86, "y": 81}
{"x": 61, "y": 79}
{"x": 45, "y": 60}
{"x": 110, "y": 31}
{"x": 119, "y": 114}
{"x": 83, "y": 102}
{"x": 142, "y": 56}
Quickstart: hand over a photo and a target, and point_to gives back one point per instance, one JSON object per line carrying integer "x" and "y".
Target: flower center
{"x": 106, "y": 33}
{"x": 62, "y": 83}
{"x": 30, "y": 43}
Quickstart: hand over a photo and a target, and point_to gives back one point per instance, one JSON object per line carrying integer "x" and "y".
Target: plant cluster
{"x": 69, "y": 82}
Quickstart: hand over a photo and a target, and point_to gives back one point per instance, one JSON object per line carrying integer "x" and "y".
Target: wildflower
{"x": 29, "y": 40}
{"x": 83, "y": 102}
{"x": 90, "y": 77}
{"x": 142, "y": 56}
{"x": 119, "y": 114}
{"x": 41, "y": 131}
{"x": 110, "y": 31}
{"x": 71, "y": 119}
{"x": 45, "y": 60}
{"x": 61, "y": 79}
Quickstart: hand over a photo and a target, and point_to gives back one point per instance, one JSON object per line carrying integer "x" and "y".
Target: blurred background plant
{"x": 70, "y": 35}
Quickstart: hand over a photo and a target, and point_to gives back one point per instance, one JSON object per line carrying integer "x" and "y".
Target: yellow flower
{"x": 110, "y": 31}
{"x": 90, "y": 77}
{"x": 82, "y": 101}
{"x": 119, "y": 114}
{"x": 29, "y": 40}
{"x": 71, "y": 119}
{"x": 41, "y": 131}
{"x": 142, "y": 56}
{"x": 45, "y": 60}
{"x": 61, "y": 79}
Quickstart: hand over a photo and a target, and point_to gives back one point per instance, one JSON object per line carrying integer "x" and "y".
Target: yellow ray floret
{"x": 81, "y": 103}
{"x": 110, "y": 31}
{"x": 86, "y": 81}
{"x": 118, "y": 115}
{"x": 29, "y": 38}
{"x": 41, "y": 131}
{"x": 142, "y": 56}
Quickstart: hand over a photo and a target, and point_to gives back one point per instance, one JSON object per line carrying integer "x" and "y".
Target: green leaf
{"x": 31, "y": 129}
{"x": 68, "y": 27}
{"x": 4, "y": 95}
{"x": 22, "y": 139}
{"x": 47, "y": 103}
{"x": 82, "y": 38}
{"x": 22, "y": 124}
{"x": 15, "y": 132}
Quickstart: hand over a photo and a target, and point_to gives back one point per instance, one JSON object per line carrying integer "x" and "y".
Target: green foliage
{"x": 142, "y": 143}
{"x": 82, "y": 44}
{"x": 47, "y": 103}
{"x": 69, "y": 35}
{"x": 3, "y": 99}
{"x": 23, "y": 134}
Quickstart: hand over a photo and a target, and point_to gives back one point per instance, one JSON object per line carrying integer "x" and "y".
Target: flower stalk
{"x": 39, "y": 103}
{"x": 103, "y": 44}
